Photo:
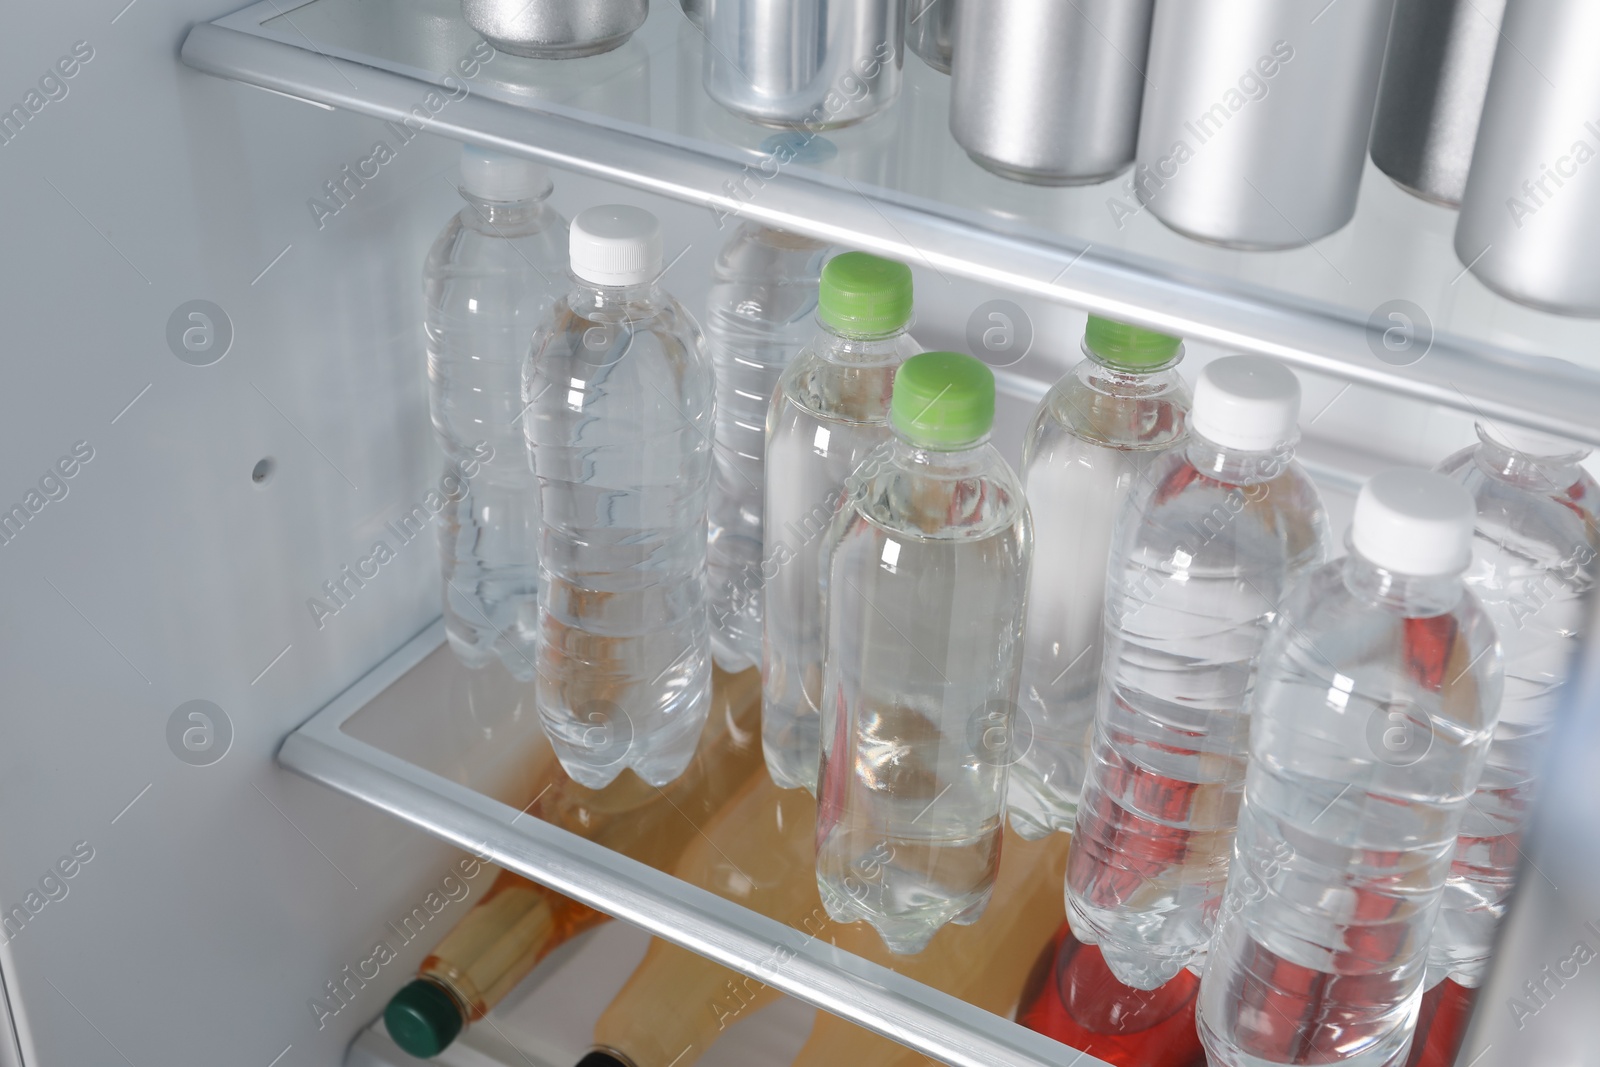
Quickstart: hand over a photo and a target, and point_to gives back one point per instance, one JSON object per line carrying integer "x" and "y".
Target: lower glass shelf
{"x": 459, "y": 753}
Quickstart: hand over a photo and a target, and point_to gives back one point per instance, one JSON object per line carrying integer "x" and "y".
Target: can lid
{"x": 1414, "y": 522}
{"x": 942, "y": 400}
{"x": 491, "y": 175}
{"x": 616, "y": 244}
{"x": 1246, "y": 402}
{"x": 1131, "y": 348}
{"x": 864, "y": 294}
{"x": 422, "y": 1018}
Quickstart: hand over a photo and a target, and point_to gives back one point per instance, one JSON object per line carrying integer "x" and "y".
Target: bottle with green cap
{"x": 1094, "y": 435}
{"x": 926, "y": 597}
{"x": 829, "y": 412}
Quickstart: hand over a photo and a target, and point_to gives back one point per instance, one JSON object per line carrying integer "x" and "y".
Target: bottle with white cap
{"x": 1207, "y": 542}
{"x": 1533, "y": 565}
{"x": 620, "y": 407}
{"x": 488, "y": 282}
{"x": 1373, "y": 712}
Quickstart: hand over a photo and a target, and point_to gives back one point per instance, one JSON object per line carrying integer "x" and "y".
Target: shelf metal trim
{"x": 1487, "y": 382}
{"x": 934, "y": 1023}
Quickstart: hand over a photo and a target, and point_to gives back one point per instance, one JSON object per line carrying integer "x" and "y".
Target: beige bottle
{"x": 758, "y": 852}
{"x": 518, "y": 922}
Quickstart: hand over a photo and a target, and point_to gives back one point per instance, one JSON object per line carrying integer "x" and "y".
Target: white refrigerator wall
{"x": 208, "y": 905}
{"x": 212, "y": 900}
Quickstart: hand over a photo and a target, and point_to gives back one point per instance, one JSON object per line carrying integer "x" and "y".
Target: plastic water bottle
{"x": 620, "y": 416}
{"x": 831, "y": 410}
{"x": 1094, "y": 436}
{"x": 1201, "y": 555}
{"x": 759, "y": 316}
{"x": 489, "y": 281}
{"x": 1374, "y": 709}
{"x": 926, "y": 601}
{"x": 1533, "y": 565}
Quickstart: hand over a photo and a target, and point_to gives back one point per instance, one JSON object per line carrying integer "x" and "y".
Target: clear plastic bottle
{"x": 927, "y": 594}
{"x": 488, "y": 282}
{"x": 1094, "y": 436}
{"x": 1374, "y": 709}
{"x": 1534, "y": 562}
{"x": 1201, "y": 555}
{"x": 621, "y": 402}
{"x": 758, "y": 318}
{"x": 830, "y": 411}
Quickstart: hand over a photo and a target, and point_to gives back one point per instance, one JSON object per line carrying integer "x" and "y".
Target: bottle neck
{"x": 1410, "y": 595}
{"x": 1235, "y": 466}
{"x": 504, "y": 218}
{"x": 860, "y": 350}
{"x": 591, "y": 300}
{"x": 1544, "y": 474}
{"x": 1108, "y": 377}
{"x": 964, "y": 462}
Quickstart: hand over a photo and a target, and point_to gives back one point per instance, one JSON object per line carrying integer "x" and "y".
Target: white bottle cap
{"x": 1530, "y": 442}
{"x": 501, "y": 178}
{"x": 1246, "y": 402}
{"x": 615, "y": 244}
{"x": 1414, "y": 522}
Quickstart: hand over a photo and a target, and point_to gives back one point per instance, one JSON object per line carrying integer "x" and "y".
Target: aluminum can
{"x": 1257, "y": 115}
{"x": 811, "y": 64}
{"x": 930, "y": 31}
{"x": 1531, "y": 213}
{"x": 1435, "y": 76}
{"x": 555, "y": 29}
{"x": 1048, "y": 92}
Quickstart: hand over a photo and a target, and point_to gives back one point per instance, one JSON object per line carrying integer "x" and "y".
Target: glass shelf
{"x": 459, "y": 753}
{"x": 900, "y": 186}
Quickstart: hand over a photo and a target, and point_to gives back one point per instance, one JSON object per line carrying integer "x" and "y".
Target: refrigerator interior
{"x": 219, "y": 484}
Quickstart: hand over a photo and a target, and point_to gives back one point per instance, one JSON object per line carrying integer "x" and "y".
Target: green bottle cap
{"x": 423, "y": 1019}
{"x": 942, "y": 400}
{"x": 1130, "y": 347}
{"x": 863, "y": 294}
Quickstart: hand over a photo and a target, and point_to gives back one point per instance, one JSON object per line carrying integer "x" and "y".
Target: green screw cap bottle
{"x": 1130, "y": 348}
{"x": 943, "y": 401}
{"x": 864, "y": 295}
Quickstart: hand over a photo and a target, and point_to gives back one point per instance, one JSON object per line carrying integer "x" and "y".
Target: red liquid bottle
{"x": 1441, "y": 1024}
{"x": 1072, "y": 997}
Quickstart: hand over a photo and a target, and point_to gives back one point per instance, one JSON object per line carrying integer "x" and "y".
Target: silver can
{"x": 555, "y": 29}
{"x": 1431, "y": 96}
{"x": 1048, "y": 92}
{"x": 1256, "y": 118}
{"x": 1531, "y": 213}
{"x": 812, "y": 64}
{"x": 930, "y": 31}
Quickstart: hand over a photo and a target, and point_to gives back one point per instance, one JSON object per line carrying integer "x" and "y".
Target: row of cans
{"x": 1246, "y": 123}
